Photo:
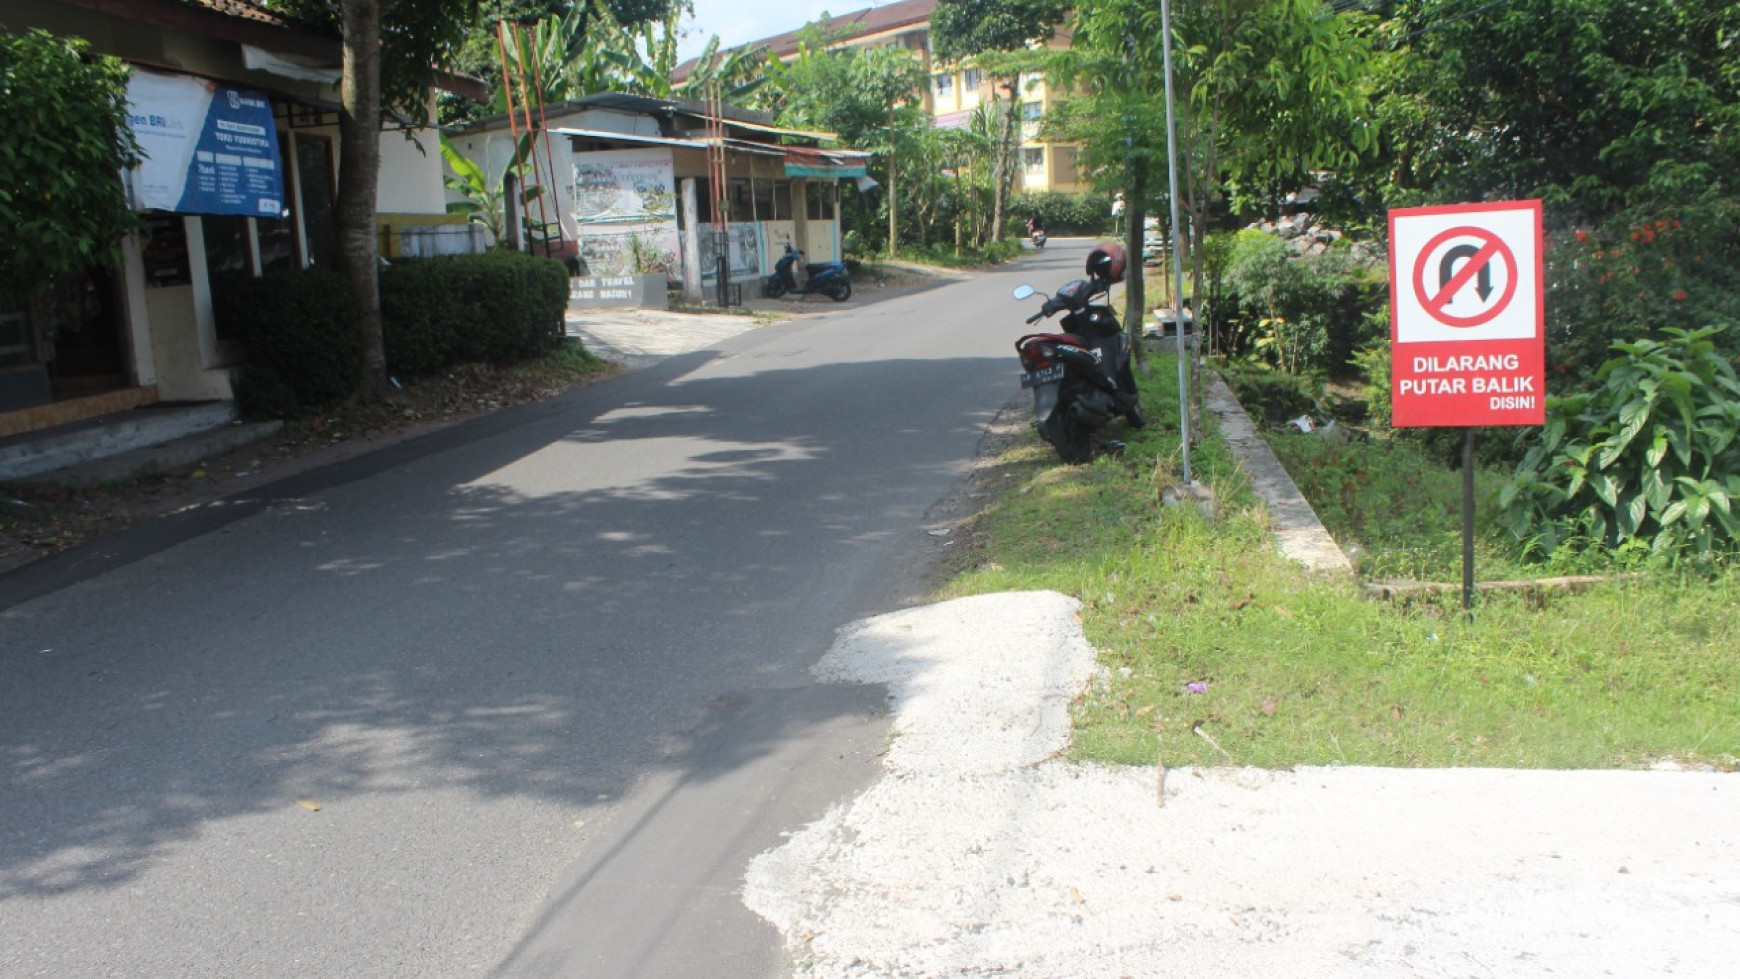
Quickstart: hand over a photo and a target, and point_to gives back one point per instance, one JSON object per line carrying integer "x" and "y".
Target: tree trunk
{"x": 359, "y": 140}
{"x": 1135, "y": 289}
{"x": 1001, "y": 175}
{"x": 893, "y": 211}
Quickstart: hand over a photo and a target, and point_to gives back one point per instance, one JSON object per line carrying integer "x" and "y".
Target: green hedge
{"x": 304, "y": 354}
{"x": 1063, "y": 213}
{"x": 300, "y": 331}
{"x": 498, "y": 308}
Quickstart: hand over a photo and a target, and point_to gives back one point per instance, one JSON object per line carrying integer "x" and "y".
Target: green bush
{"x": 1635, "y": 275}
{"x": 300, "y": 329}
{"x": 1302, "y": 314}
{"x": 1064, "y": 213}
{"x": 1277, "y": 398}
{"x": 1649, "y": 458}
{"x": 497, "y": 308}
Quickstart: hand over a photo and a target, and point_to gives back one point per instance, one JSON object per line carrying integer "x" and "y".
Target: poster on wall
{"x": 209, "y": 148}
{"x": 742, "y": 248}
{"x": 630, "y": 250}
{"x": 627, "y": 185}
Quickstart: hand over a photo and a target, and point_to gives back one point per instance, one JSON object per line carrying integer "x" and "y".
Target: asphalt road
{"x": 521, "y": 698}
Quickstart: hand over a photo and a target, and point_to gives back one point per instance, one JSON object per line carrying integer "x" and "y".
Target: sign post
{"x": 1467, "y": 328}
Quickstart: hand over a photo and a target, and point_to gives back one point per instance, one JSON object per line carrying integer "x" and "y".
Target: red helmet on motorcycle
{"x": 1106, "y": 262}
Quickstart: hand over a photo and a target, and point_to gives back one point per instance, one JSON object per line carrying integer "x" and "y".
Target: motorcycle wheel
{"x": 774, "y": 289}
{"x": 1071, "y": 439}
{"x": 1134, "y": 417}
{"x": 839, "y": 291}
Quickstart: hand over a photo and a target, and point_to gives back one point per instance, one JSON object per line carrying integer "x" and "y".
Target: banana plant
{"x": 483, "y": 198}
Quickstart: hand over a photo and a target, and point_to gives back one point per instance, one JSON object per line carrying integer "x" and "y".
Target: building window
{"x": 1033, "y": 159}
{"x": 1031, "y": 111}
{"x": 819, "y": 201}
{"x": 944, "y": 84}
{"x": 772, "y": 199}
{"x": 970, "y": 80}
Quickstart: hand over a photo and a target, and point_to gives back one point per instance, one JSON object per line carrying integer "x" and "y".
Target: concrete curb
{"x": 163, "y": 457}
{"x": 1298, "y": 531}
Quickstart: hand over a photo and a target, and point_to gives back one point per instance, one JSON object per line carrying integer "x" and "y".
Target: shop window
{"x": 742, "y": 201}
{"x": 820, "y": 199}
{"x": 277, "y": 236}
{"x": 773, "y": 200}
{"x": 17, "y": 348}
{"x": 229, "y": 260}
{"x": 314, "y": 171}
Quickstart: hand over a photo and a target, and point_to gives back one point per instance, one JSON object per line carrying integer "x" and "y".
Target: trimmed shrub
{"x": 1064, "y": 213}
{"x": 497, "y": 308}
{"x": 300, "y": 331}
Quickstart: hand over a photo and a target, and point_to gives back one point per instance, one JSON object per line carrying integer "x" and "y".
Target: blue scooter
{"x": 827, "y": 278}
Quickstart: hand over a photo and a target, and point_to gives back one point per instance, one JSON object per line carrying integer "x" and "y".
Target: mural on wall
{"x": 625, "y": 207}
{"x": 742, "y": 249}
{"x": 640, "y": 249}
{"x": 624, "y": 185}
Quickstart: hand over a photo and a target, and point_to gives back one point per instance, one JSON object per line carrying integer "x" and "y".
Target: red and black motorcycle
{"x": 1081, "y": 378}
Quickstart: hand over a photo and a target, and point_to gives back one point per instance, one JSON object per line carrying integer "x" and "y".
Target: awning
{"x": 804, "y": 161}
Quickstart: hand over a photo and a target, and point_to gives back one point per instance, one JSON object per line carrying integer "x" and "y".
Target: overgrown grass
{"x": 1396, "y": 511}
{"x": 1296, "y": 668}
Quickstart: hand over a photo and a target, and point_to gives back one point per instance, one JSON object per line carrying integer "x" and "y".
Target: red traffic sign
{"x": 1467, "y": 331}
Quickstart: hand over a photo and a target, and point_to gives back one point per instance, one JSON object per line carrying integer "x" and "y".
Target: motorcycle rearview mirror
{"x": 1023, "y": 291}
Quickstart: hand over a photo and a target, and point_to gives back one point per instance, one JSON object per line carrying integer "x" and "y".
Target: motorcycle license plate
{"x": 1049, "y": 375}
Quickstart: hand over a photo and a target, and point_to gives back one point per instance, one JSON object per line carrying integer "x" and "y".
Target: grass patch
{"x": 1395, "y": 510}
{"x": 1295, "y": 668}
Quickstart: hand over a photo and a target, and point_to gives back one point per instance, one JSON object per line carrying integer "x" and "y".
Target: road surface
{"x": 521, "y": 698}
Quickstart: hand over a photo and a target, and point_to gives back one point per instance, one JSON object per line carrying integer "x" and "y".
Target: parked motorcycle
{"x": 827, "y": 278}
{"x": 1081, "y": 378}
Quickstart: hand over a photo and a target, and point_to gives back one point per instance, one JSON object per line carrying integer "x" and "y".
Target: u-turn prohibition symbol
{"x": 1444, "y": 275}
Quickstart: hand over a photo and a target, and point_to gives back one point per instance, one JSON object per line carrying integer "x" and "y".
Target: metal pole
{"x": 1177, "y": 253}
{"x": 1468, "y": 521}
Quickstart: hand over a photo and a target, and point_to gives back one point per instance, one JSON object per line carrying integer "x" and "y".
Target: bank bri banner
{"x": 209, "y": 148}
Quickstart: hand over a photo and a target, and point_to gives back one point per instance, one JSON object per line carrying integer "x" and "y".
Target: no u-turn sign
{"x": 1467, "y": 315}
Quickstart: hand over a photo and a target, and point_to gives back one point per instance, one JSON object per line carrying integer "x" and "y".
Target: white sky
{"x": 740, "y": 21}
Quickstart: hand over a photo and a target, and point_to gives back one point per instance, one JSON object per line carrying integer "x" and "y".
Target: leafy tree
{"x": 1592, "y": 105}
{"x": 1268, "y": 91}
{"x": 391, "y": 51}
{"x": 963, "y": 29}
{"x": 863, "y": 95}
{"x": 1622, "y": 115}
{"x": 64, "y": 113}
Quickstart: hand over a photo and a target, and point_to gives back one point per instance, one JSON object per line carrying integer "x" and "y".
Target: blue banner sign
{"x": 209, "y": 148}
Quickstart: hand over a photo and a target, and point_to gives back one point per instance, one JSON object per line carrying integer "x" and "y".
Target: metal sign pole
{"x": 1468, "y": 522}
{"x": 1177, "y": 254}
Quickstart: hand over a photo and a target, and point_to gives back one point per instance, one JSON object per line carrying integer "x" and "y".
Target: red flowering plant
{"x": 1632, "y": 277}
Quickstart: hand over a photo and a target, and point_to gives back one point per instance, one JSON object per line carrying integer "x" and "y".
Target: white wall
{"x": 410, "y": 180}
